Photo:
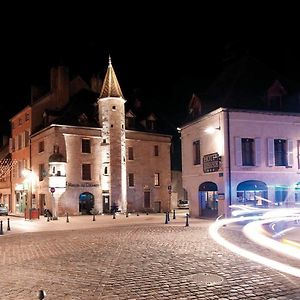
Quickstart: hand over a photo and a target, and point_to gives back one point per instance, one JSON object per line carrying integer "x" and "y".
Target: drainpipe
{"x": 229, "y": 156}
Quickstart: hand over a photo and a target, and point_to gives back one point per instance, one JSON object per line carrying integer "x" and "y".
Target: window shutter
{"x": 238, "y": 151}
{"x": 290, "y": 153}
{"x": 271, "y": 158}
{"x": 257, "y": 152}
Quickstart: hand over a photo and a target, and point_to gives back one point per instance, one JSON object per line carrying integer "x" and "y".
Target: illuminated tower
{"x": 113, "y": 150}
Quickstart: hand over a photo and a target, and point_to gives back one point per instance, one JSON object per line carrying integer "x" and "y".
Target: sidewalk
{"x": 19, "y": 225}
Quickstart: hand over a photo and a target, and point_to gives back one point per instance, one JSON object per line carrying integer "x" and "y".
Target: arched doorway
{"x": 252, "y": 193}
{"x": 208, "y": 199}
{"x": 86, "y": 203}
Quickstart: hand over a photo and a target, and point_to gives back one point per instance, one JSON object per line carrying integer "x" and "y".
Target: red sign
{"x": 52, "y": 190}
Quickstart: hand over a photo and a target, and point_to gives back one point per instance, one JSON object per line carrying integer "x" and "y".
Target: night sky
{"x": 161, "y": 56}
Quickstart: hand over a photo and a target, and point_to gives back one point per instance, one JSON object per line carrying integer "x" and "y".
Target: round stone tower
{"x": 111, "y": 110}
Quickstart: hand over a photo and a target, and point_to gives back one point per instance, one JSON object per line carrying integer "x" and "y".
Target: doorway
{"x": 86, "y": 203}
{"x": 105, "y": 199}
{"x": 208, "y": 199}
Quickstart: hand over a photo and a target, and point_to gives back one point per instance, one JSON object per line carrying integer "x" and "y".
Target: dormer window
{"x": 151, "y": 125}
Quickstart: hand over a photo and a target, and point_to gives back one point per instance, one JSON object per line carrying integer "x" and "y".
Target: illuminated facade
{"x": 244, "y": 157}
{"x": 91, "y": 156}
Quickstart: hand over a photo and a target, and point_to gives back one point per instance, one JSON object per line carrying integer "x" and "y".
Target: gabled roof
{"x": 110, "y": 87}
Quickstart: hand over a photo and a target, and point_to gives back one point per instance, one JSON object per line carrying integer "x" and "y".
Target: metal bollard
{"x": 48, "y": 218}
{"x": 41, "y": 294}
{"x": 94, "y": 218}
{"x": 67, "y": 217}
{"x": 1, "y": 228}
{"x": 168, "y": 213}
{"x": 166, "y": 219}
{"x": 137, "y": 213}
{"x": 114, "y": 215}
{"x": 8, "y": 225}
{"x": 187, "y": 220}
{"x": 126, "y": 214}
{"x": 174, "y": 216}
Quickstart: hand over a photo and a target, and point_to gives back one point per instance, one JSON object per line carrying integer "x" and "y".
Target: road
{"x": 139, "y": 257}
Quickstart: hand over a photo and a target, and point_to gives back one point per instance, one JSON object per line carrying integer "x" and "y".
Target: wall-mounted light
{"x": 211, "y": 130}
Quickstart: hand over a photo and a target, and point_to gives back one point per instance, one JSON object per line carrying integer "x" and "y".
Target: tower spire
{"x": 110, "y": 87}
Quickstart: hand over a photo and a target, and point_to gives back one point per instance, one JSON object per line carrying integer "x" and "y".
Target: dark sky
{"x": 167, "y": 55}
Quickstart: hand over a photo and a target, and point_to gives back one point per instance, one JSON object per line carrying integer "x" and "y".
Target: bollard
{"x": 168, "y": 213}
{"x": 166, "y": 220}
{"x": 41, "y": 294}
{"x": 137, "y": 213}
{"x": 187, "y": 220}
{"x": 94, "y": 218}
{"x": 1, "y": 228}
{"x": 48, "y": 219}
{"x": 114, "y": 215}
{"x": 67, "y": 217}
{"x": 8, "y": 225}
{"x": 174, "y": 216}
{"x": 126, "y": 213}
{"x": 147, "y": 213}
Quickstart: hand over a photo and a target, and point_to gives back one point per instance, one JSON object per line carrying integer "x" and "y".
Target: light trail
{"x": 214, "y": 233}
{"x": 255, "y": 232}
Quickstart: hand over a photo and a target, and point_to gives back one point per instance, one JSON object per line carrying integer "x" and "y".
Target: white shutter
{"x": 290, "y": 153}
{"x": 271, "y": 157}
{"x": 257, "y": 152}
{"x": 238, "y": 151}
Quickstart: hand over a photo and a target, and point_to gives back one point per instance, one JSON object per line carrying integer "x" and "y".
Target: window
{"x": 130, "y": 153}
{"x": 130, "y": 122}
{"x": 114, "y": 107}
{"x": 248, "y": 152}
{"x": 26, "y": 116}
{"x": 131, "y": 179}
{"x": 156, "y": 179}
{"x": 20, "y": 121}
{"x": 26, "y": 138}
{"x": 298, "y": 154}
{"x": 156, "y": 150}
{"x": 20, "y": 141}
{"x": 196, "y": 152}
{"x": 104, "y": 141}
{"x": 86, "y": 172}
{"x": 105, "y": 170}
{"x": 85, "y": 146}
{"x": 41, "y": 146}
{"x": 280, "y": 152}
{"x": 151, "y": 125}
{"x": 41, "y": 172}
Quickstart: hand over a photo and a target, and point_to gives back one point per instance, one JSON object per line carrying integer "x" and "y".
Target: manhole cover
{"x": 206, "y": 278}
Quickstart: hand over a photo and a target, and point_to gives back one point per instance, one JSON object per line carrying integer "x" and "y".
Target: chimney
{"x": 36, "y": 92}
{"x": 96, "y": 84}
{"x": 60, "y": 85}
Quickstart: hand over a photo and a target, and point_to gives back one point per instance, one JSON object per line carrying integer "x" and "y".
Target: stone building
{"x": 242, "y": 157}
{"x": 92, "y": 152}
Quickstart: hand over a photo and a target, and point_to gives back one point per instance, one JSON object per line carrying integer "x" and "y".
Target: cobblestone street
{"x": 132, "y": 258}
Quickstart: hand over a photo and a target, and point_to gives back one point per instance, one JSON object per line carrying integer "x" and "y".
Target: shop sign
{"x": 211, "y": 162}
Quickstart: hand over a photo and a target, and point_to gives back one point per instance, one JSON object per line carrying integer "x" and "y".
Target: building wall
{"x": 69, "y": 141}
{"x": 20, "y": 123}
{"x": 144, "y": 166}
{"x": 242, "y": 124}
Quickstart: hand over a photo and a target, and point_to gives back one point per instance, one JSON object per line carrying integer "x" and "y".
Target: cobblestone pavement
{"x": 133, "y": 258}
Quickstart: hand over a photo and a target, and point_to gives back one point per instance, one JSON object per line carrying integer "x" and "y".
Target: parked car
{"x": 183, "y": 203}
{"x": 3, "y": 210}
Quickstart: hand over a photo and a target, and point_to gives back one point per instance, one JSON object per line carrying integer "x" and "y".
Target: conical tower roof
{"x": 110, "y": 87}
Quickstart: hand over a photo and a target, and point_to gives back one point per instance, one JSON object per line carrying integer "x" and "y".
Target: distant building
{"x": 86, "y": 151}
{"x": 245, "y": 157}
